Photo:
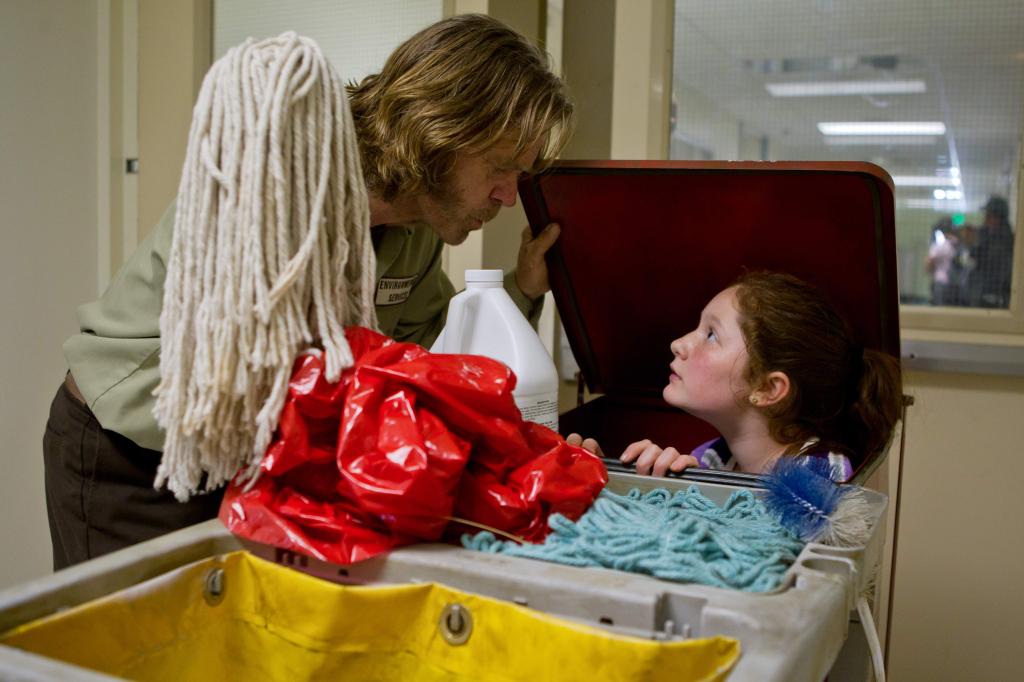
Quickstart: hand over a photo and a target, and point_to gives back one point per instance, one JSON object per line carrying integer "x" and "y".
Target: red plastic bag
{"x": 403, "y": 443}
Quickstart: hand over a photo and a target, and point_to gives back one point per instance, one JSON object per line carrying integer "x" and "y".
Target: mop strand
{"x": 683, "y": 537}
{"x": 271, "y": 253}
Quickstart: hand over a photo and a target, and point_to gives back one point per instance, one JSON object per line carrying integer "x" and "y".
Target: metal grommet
{"x": 456, "y": 624}
{"x": 214, "y": 586}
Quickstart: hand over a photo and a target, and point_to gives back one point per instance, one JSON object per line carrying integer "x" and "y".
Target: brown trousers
{"x": 99, "y": 488}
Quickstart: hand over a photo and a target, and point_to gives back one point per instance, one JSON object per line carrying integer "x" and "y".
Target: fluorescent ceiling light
{"x": 880, "y": 140}
{"x": 935, "y": 205}
{"x": 950, "y": 194}
{"x": 829, "y": 88}
{"x": 883, "y": 128}
{"x": 925, "y": 181}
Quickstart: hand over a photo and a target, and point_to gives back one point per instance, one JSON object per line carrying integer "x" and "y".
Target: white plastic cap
{"x": 484, "y": 276}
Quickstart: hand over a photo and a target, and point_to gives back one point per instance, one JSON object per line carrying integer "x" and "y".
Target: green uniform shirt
{"x": 116, "y": 358}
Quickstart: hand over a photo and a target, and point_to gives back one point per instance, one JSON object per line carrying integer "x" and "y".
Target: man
{"x": 433, "y": 155}
{"x": 989, "y": 281}
{"x": 457, "y": 115}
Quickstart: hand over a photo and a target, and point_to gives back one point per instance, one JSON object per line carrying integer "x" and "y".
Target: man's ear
{"x": 774, "y": 388}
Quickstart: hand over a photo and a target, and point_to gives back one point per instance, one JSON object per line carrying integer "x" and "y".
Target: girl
{"x": 773, "y": 368}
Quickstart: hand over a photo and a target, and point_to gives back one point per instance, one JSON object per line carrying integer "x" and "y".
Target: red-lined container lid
{"x": 646, "y": 244}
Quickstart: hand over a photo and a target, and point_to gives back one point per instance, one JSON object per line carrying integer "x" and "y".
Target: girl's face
{"x": 707, "y": 370}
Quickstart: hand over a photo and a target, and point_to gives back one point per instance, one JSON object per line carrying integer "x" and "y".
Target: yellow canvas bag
{"x": 267, "y": 622}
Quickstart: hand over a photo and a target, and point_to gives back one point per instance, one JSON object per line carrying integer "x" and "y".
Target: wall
{"x": 588, "y": 58}
{"x": 642, "y": 67}
{"x": 957, "y": 595}
{"x": 356, "y": 37}
{"x": 49, "y": 202}
{"x": 63, "y": 140}
{"x": 174, "y": 54}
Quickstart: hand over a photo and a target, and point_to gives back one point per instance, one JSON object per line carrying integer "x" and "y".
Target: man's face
{"x": 993, "y": 219}
{"x": 475, "y": 190}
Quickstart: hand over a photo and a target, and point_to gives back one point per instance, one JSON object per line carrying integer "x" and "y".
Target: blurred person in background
{"x": 944, "y": 265}
{"x": 989, "y": 282}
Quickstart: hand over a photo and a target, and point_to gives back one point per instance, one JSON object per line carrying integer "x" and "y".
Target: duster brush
{"x": 810, "y": 505}
{"x": 807, "y": 502}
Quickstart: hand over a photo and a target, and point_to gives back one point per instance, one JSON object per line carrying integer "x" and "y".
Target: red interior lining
{"x": 645, "y": 245}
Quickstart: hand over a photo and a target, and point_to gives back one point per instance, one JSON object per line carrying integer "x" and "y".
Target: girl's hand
{"x": 651, "y": 459}
{"x": 587, "y": 444}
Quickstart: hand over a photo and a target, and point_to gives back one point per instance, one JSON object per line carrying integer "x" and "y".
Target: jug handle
{"x": 453, "y": 327}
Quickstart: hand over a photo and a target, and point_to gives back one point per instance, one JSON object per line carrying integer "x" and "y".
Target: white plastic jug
{"x": 483, "y": 320}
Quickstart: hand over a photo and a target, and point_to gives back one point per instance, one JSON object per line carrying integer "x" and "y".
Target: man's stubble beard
{"x": 451, "y": 222}
{"x": 439, "y": 209}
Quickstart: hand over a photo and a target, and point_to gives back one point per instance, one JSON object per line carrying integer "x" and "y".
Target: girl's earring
{"x": 755, "y": 401}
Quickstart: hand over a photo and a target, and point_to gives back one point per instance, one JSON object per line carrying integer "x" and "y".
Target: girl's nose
{"x": 679, "y": 348}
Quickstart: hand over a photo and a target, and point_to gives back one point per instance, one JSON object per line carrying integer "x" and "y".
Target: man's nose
{"x": 505, "y": 193}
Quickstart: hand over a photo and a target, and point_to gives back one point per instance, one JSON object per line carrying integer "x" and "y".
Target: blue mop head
{"x": 801, "y": 493}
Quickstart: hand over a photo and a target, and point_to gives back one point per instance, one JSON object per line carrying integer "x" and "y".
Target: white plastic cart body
{"x": 794, "y": 633}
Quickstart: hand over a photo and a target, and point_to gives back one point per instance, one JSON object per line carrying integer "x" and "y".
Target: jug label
{"x": 544, "y": 411}
{"x": 394, "y": 290}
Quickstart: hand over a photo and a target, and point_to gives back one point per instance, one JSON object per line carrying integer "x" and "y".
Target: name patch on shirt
{"x": 394, "y": 290}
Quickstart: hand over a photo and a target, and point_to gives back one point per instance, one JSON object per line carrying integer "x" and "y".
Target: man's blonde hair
{"x": 461, "y": 85}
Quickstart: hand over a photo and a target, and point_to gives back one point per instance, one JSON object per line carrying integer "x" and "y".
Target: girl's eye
{"x": 710, "y": 335}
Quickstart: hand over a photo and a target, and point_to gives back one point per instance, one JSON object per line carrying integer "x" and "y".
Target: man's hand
{"x": 531, "y": 270}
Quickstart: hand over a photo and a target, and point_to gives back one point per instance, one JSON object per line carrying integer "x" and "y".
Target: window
{"x": 931, "y": 91}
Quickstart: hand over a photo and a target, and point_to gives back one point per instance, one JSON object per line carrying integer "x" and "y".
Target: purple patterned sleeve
{"x": 709, "y": 456}
{"x": 842, "y": 468}
{"x": 706, "y": 455}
